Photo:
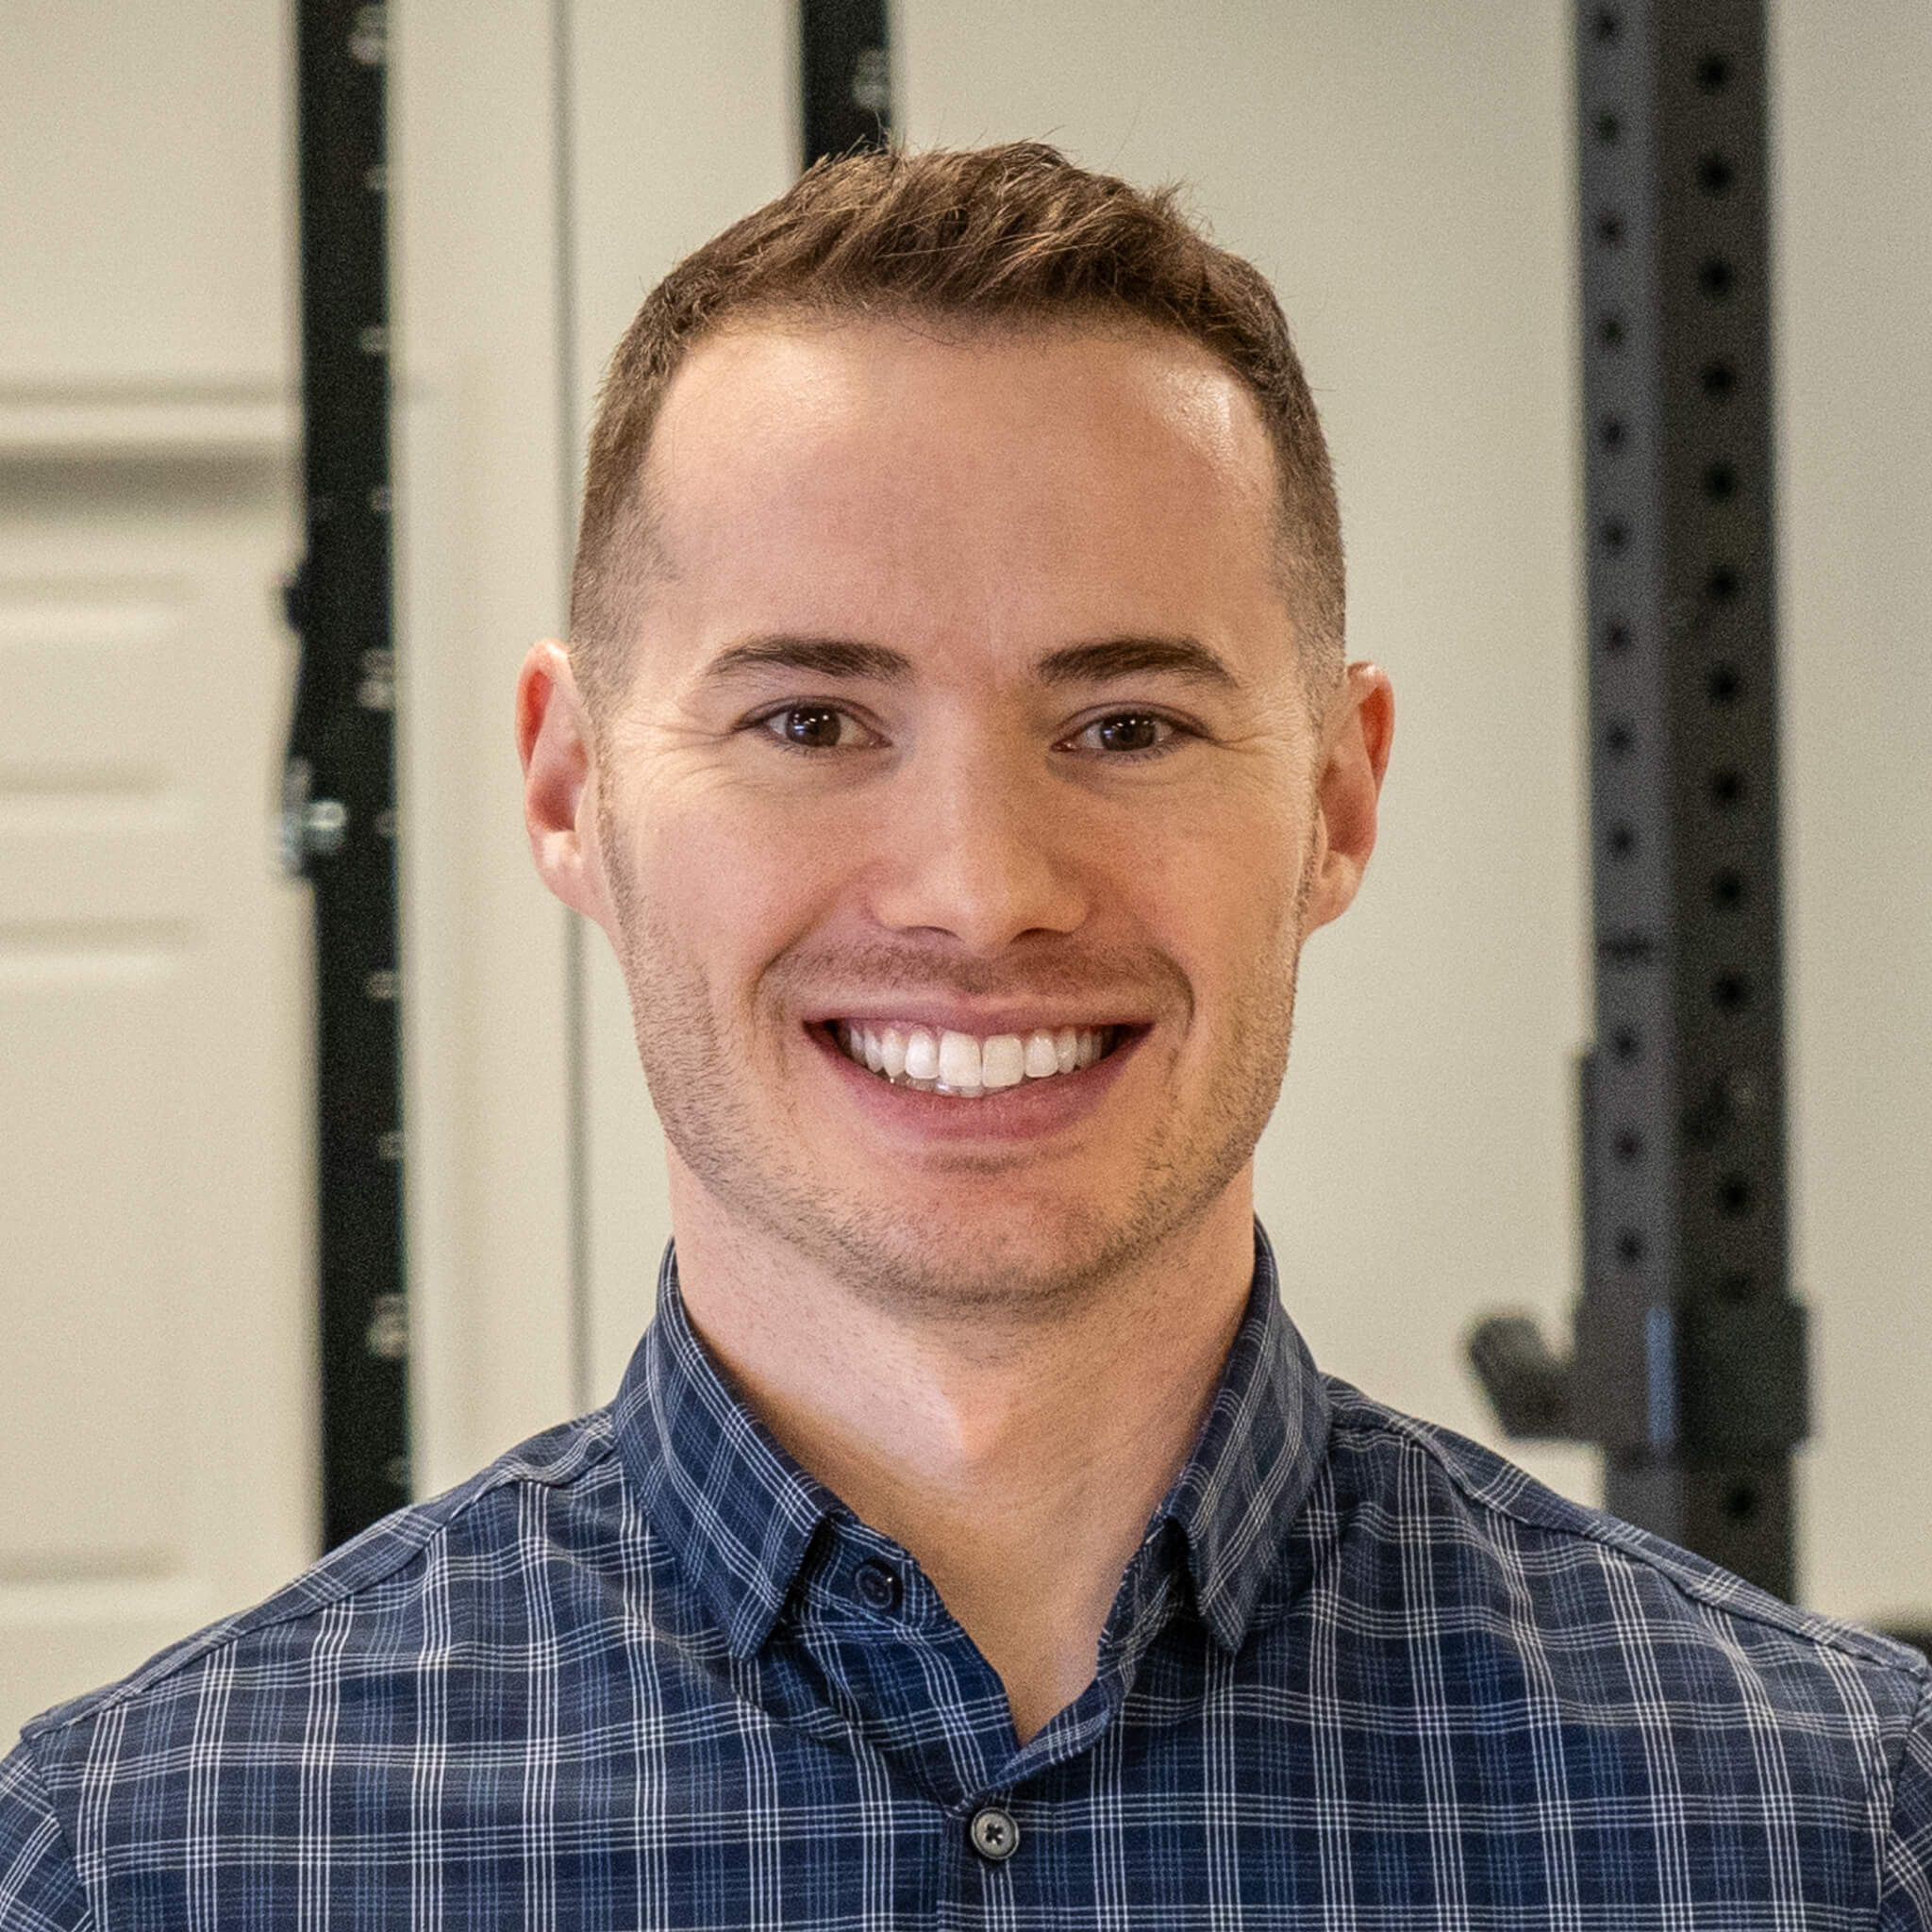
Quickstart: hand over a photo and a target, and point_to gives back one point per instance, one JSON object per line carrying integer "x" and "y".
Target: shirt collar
{"x": 740, "y": 1514}
{"x": 711, "y": 1478}
{"x": 1257, "y": 1459}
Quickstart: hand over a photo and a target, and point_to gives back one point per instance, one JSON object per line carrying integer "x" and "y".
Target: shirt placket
{"x": 920, "y": 1699}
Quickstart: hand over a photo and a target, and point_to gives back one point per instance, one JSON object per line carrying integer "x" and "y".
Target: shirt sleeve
{"x": 40, "y": 1890}
{"x": 1906, "y": 1902}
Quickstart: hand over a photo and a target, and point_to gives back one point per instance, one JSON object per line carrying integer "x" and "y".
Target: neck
{"x": 1018, "y": 1459}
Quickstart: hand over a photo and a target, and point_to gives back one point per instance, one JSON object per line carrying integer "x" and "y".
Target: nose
{"x": 981, "y": 853}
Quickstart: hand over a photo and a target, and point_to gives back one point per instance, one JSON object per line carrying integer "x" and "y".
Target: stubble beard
{"x": 703, "y": 1067}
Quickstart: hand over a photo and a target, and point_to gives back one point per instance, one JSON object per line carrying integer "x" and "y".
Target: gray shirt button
{"x": 994, "y": 1834}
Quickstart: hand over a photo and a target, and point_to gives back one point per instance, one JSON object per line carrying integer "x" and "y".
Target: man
{"x": 956, "y": 744}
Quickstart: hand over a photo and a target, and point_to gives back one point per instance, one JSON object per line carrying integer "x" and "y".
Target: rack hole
{"x": 1723, "y": 685}
{"x": 1719, "y": 379}
{"x": 1625, "y": 1043}
{"x": 1629, "y": 1247}
{"x": 1726, "y": 788}
{"x": 1734, "y": 1196}
{"x": 1618, "y": 636}
{"x": 1609, "y": 228}
{"x": 1619, "y": 736}
{"x": 1610, "y": 331}
{"x": 1719, "y": 482}
{"x": 1715, "y": 175}
{"x": 1716, "y": 277}
{"x": 1730, "y": 992}
{"x": 1609, "y": 128}
{"x": 1616, "y": 536}
{"x": 1611, "y": 432}
{"x": 1606, "y": 25}
{"x": 1623, "y": 840}
{"x": 1723, "y": 585}
{"x": 1713, "y": 73}
{"x": 1628, "y": 1145}
{"x": 1735, "y": 1285}
{"x": 1727, "y": 888}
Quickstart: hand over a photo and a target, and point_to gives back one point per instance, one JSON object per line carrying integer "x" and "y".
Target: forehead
{"x": 883, "y": 473}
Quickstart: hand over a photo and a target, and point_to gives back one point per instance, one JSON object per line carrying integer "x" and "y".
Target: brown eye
{"x": 811, "y": 727}
{"x": 1127, "y": 732}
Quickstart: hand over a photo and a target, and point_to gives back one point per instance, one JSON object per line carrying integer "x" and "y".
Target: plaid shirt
{"x": 644, "y": 1671}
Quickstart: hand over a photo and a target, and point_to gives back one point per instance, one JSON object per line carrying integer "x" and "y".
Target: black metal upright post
{"x": 339, "y": 811}
{"x": 1686, "y": 1270}
{"x": 1688, "y": 1365}
{"x": 845, "y": 77}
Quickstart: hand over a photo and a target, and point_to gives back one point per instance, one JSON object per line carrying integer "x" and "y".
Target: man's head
{"x": 980, "y": 239}
{"x": 961, "y": 697}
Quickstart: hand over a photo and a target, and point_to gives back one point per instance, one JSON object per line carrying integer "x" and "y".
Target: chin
{"x": 1038, "y": 1269}
{"x": 993, "y": 1262}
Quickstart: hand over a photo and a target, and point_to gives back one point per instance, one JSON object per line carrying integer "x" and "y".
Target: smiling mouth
{"x": 965, "y": 1065}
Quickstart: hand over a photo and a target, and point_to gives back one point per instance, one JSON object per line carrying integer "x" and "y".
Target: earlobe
{"x": 553, "y": 741}
{"x": 1360, "y": 728}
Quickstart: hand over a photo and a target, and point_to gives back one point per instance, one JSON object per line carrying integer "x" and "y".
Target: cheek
{"x": 1237, "y": 943}
{"x": 732, "y": 887}
{"x": 1237, "y": 946}
{"x": 1223, "y": 892}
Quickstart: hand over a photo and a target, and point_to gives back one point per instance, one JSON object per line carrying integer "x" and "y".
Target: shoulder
{"x": 1622, "y": 1605}
{"x": 551, "y": 1499}
{"x": 443, "y": 1629}
{"x": 39, "y": 1885}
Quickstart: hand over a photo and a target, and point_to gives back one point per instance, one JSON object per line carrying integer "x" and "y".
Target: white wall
{"x": 1854, "y": 166}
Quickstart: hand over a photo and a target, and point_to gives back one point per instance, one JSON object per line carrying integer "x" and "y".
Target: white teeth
{"x": 961, "y": 1065}
{"x": 921, "y": 1056}
{"x": 958, "y": 1060}
{"x": 1002, "y": 1061}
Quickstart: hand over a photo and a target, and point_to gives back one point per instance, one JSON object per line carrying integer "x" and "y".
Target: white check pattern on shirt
{"x": 1361, "y": 1674}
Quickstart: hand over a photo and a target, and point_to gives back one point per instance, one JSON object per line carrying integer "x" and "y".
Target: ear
{"x": 554, "y": 743}
{"x": 1356, "y": 737}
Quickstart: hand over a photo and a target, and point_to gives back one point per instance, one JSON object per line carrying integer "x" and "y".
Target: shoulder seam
{"x": 500, "y": 1476}
{"x": 1594, "y": 1527}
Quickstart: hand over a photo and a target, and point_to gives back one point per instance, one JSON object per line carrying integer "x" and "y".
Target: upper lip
{"x": 983, "y": 1023}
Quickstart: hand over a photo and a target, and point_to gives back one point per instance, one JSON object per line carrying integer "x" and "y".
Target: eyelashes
{"x": 816, "y": 727}
{"x": 1128, "y": 734}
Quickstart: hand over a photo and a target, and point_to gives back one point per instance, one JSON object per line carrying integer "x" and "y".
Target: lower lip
{"x": 1030, "y": 1111}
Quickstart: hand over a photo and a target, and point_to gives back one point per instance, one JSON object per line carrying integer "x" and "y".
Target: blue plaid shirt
{"x": 646, "y": 1672}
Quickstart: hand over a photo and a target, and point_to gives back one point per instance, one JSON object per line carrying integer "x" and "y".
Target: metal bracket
{"x": 1528, "y": 1384}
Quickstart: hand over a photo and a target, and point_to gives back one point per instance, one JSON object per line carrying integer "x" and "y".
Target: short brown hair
{"x": 1010, "y": 235}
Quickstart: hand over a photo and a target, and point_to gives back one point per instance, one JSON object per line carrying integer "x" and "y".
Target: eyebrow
{"x": 1184, "y": 658}
{"x": 825, "y": 656}
{"x": 1098, "y": 662}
